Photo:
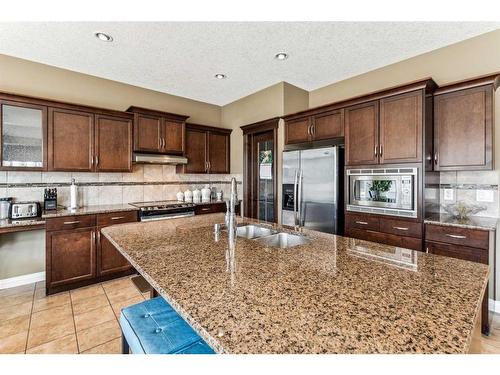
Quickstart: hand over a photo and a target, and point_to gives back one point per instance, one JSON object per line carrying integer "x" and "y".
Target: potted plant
{"x": 378, "y": 188}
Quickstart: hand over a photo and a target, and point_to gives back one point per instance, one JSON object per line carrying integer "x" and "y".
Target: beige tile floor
{"x": 86, "y": 320}
{"x": 83, "y": 320}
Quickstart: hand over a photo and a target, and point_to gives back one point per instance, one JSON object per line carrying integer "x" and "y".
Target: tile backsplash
{"x": 144, "y": 183}
{"x": 465, "y": 186}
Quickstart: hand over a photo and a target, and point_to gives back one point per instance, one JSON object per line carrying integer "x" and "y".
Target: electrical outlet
{"x": 484, "y": 195}
{"x": 448, "y": 194}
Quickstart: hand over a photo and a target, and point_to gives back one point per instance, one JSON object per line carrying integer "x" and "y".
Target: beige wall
{"x": 25, "y": 77}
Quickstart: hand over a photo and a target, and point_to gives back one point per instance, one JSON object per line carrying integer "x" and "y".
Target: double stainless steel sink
{"x": 270, "y": 237}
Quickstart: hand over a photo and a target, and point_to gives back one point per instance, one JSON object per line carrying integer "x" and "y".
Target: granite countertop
{"x": 87, "y": 210}
{"x": 334, "y": 295}
{"x": 472, "y": 222}
{"x": 9, "y": 225}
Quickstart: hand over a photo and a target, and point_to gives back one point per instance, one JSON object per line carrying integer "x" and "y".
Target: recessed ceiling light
{"x": 104, "y": 37}
{"x": 220, "y": 76}
{"x": 281, "y": 56}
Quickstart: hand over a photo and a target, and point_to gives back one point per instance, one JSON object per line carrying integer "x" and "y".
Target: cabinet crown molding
{"x": 492, "y": 79}
{"x": 154, "y": 112}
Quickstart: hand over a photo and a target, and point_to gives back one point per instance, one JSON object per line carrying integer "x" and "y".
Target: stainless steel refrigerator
{"x": 312, "y": 191}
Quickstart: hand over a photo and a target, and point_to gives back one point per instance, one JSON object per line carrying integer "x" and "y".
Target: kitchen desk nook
{"x": 330, "y": 294}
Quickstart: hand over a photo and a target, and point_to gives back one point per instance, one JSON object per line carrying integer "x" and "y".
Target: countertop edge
{"x": 213, "y": 343}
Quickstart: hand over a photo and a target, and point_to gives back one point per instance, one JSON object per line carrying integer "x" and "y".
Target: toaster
{"x": 24, "y": 210}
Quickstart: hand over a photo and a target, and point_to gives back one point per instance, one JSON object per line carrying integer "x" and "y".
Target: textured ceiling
{"x": 181, "y": 58}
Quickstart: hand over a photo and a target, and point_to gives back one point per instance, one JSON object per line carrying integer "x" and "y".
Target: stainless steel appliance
{"x": 24, "y": 210}
{"x": 312, "y": 191}
{"x": 386, "y": 191}
{"x": 162, "y": 210}
{"x": 5, "y": 208}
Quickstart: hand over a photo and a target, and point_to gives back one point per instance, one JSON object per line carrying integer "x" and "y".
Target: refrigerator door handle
{"x": 299, "y": 202}
{"x": 295, "y": 198}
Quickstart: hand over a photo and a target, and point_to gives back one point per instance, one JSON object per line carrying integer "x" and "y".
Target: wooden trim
{"x": 200, "y": 127}
{"x": 493, "y": 80}
{"x": 261, "y": 126}
{"x": 63, "y": 105}
{"x": 153, "y": 112}
{"x": 426, "y": 84}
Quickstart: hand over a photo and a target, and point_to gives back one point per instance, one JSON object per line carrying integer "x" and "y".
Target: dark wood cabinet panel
{"x": 113, "y": 142}
{"x": 362, "y": 221}
{"x": 147, "y": 133}
{"x": 109, "y": 260}
{"x": 328, "y": 125}
{"x": 460, "y": 252}
{"x": 401, "y": 128}
{"x": 386, "y": 238}
{"x": 207, "y": 150}
{"x": 298, "y": 130}
{"x": 173, "y": 135}
{"x": 401, "y": 227}
{"x": 463, "y": 129}
{"x": 114, "y": 218}
{"x": 71, "y": 140}
{"x": 361, "y": 134}
{"x": 70, "y": 222}
{"x": 70, "y": 256}
{"x": 196, "y": 151}
{"x": 218, "y": 153}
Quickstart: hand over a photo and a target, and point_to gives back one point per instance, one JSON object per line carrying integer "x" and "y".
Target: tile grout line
{"x": 114, "y": 338}
{"x": 74, "y": 323}
{"x": 31, "y": 316}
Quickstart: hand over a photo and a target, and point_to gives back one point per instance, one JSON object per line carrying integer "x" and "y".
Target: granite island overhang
{"x": 333, "y": 295}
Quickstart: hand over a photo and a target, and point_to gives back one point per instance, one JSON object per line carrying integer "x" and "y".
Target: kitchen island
{"x": 333, "y": 295}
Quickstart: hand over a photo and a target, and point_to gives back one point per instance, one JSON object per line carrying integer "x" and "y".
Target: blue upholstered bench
{"x": 154, "y": 327}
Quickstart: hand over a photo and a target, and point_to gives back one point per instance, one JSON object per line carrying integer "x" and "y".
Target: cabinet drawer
{"x": 116, "y": 218}
{"x": 210, "y": 208}
{"x": 387, "y": 239}
{"x": 70, "y": 222}
{"x": 401, "y": 227}
{"x": 361, "y": 221}
{"x": 459, "y": 252}
{"x": 457, "y": 236}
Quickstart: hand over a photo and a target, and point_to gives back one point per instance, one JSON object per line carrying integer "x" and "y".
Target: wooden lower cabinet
{"x": 212, "y": 208}
{"x": 391, "y": 231}
{"x": 71, "y": 256}
{"x": 78, "y": 255}
{"x": 462, "y": 243}
{"x": 109, "y": 260}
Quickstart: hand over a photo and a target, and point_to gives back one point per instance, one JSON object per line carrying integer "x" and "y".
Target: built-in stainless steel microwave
{"x": 387, "y": 191}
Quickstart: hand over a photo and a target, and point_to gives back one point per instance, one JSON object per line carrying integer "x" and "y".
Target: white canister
{"x": 205, "y": 194}
{"x": 219, "y": 196}
{"x": 180, "y": 196}
{"x": 188, "y": 196}
{"x": 196, "y": 196}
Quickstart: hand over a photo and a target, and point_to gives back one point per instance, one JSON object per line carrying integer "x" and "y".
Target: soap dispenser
{"x": 73, "y": 195}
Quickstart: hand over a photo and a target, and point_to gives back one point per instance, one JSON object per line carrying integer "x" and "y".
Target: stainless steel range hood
{"x": 140, "y": 158}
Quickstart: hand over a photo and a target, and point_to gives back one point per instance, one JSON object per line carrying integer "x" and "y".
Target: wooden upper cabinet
{"x": 196, "y": 151}
{"x": 158, "y": 132}
{"x": 361, "y": 134}
{"x": 71, "y": 140}
{"x": 218, "y": 152}
{"x": 113, "y": 143}
{"x": 147, "y": 133}
{"x": 328, "y": 125}
{"x": 207, "y": 150}
{"x": 174, "y": 136}
{"x": 401, "y": 128}
{"x": 298, "y": 130}
{"x": 463, "y": 126}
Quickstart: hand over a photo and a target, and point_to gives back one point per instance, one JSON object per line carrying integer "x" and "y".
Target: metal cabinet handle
{"x": 71, "y": 222}
{"x": 118, "y": 217}
{"x": 456, "y": 236}
{"x": 427, "y": 250}
{"x": 93, "y": 236}
{"x": 400, "y": 228}
{"x": 209, "y": 166}
{"x": 313, "y": 130}
{"x": 380, "y": 150}
{"x": 206, "y": 209}
{"x": 376, "y": 147}
{"x": 435, "y": 158}
{"x": 96, "y": 160}
{"x": 362, "y": 222}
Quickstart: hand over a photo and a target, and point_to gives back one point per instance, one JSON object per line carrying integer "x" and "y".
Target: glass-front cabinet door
{"x": 265, "y": 177}
{"x": 23, "y": 135}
